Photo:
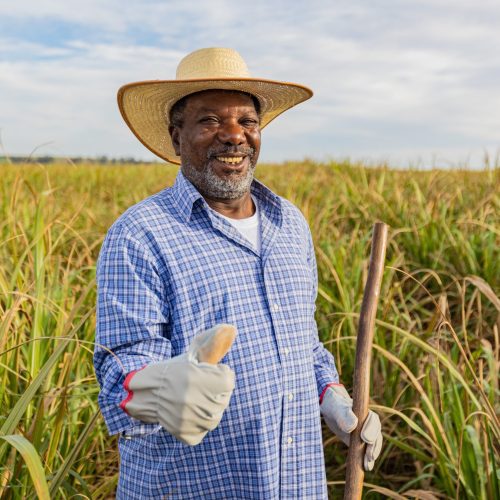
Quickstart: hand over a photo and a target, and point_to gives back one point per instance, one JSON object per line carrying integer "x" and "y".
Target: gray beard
{"x": 211, "y": 185}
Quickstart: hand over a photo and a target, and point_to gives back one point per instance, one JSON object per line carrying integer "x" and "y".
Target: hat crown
{"x": 214, "y": 62}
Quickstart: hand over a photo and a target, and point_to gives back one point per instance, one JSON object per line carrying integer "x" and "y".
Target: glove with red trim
{"x": 183, "y": 394}
{"x": 336, "y": 408}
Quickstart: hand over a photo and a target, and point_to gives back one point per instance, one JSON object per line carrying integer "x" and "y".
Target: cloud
{"x": 393, "y": 79}
{"x": 72, "y": 102}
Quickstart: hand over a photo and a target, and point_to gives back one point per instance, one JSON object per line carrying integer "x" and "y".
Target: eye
{"x": 249, "y": 122}
{"x": 209, "y": 120}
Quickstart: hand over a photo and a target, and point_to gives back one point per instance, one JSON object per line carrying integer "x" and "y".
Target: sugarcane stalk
{"x": 361, "y": 380}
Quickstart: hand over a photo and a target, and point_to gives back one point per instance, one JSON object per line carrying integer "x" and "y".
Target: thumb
{"x": 212, "y": 345}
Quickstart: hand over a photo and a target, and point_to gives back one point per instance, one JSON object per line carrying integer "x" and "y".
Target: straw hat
{"x": 145, "y": 106}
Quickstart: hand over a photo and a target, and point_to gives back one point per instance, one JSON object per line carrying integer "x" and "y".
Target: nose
{"x": 232, "y": 133}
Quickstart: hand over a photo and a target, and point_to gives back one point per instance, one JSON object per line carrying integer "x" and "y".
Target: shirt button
{"x": 289, "y": 440}
{"x": 290, "y": 396}
{"x": 276, "y": 307}
{"x": 286, "y": 351}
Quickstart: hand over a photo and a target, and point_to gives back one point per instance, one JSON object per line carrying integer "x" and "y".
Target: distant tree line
{"x": 76, "y": 160}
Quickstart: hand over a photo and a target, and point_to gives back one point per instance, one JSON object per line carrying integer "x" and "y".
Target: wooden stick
{"x": 361, "y": 383}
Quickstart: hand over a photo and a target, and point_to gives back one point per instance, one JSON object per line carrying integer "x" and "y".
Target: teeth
{"x": 232, "y": 160}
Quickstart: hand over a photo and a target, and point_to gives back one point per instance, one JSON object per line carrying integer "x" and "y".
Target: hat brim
{"x": 145, "y": 106}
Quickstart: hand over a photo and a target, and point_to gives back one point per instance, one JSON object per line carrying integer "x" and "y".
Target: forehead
{"x": 215, "y": 99}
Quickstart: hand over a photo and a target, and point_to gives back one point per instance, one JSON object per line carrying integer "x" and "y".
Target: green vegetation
{"x": 436, "y": 352}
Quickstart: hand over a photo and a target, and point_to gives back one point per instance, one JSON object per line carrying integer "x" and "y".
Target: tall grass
{"x": 436, "y": 351}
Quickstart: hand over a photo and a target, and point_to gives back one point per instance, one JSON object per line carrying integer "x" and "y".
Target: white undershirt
{"x": 249, "y": 227}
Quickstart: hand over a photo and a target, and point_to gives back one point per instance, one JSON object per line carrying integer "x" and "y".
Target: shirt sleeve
{"x": 324, "y": 362}
{"x": 132, "y": 321}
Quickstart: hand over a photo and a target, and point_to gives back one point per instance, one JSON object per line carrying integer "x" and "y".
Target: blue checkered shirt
{"x": 171, "y": 267}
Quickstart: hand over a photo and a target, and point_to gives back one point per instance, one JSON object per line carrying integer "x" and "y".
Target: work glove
{"x": 184, "y": 395}
{"x": 336, "y": 408}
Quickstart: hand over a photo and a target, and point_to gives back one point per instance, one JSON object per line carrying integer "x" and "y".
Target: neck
{"x": 241, "y": 208}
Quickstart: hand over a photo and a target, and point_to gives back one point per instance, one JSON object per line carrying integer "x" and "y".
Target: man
{"x": 216, "y": 248}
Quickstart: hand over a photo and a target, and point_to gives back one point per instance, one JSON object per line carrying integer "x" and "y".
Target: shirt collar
{"x": 185, "y": 195}
{"x": 265, "y": 196}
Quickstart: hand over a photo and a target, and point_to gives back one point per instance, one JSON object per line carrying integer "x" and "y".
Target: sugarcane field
{"x": 435, "y": 360}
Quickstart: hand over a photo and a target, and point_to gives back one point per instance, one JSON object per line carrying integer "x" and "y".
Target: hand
{"x": 183, "y": 395}
{"x": 336, "y": 408}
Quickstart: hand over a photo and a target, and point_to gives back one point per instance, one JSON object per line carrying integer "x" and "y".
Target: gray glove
{"x": 336, "y": 408}
{"x": 186, "y": 397}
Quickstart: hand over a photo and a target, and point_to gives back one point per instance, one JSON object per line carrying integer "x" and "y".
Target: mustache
{"x": 240, "y": 150}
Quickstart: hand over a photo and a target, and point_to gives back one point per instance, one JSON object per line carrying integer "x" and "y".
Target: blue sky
{"x": 405, "y": 82}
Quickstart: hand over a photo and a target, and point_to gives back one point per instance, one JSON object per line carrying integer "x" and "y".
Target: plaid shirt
{"x": 171, "y": 267}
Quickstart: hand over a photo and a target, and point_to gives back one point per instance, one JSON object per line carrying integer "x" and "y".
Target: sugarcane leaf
{"x": 32, "y": 460}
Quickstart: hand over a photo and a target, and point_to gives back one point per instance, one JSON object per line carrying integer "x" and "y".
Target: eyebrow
{"x": 211, "y": 110}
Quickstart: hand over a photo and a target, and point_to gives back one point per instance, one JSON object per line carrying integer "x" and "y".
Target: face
{"x": 219, "y": 143}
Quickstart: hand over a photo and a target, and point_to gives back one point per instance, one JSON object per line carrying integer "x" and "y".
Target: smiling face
{"x": 218, "y": 140}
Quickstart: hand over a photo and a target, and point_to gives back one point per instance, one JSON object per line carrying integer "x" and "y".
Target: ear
{"x": 175, "y": 136}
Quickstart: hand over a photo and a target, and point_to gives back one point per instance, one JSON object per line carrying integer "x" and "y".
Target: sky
{"x": 407, "y": 83}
